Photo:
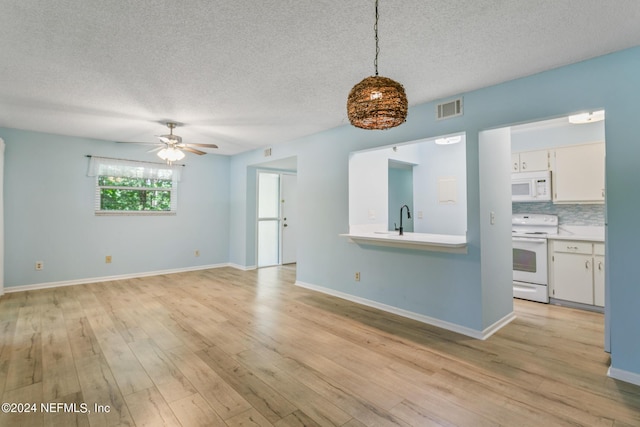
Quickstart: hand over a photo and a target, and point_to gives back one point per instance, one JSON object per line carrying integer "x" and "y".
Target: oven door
{"x": 530, "y": 260}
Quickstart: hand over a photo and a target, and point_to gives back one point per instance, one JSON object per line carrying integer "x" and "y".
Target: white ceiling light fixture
{"x": 377, "y": 102}
{"x": 171, "y": 154}
{"x": 590, "y": 117}
{"x": 448, "y": 141}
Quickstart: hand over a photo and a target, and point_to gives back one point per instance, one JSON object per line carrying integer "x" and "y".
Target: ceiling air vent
{"x": 449, "y": 109}
{"x": 267, "y": 152}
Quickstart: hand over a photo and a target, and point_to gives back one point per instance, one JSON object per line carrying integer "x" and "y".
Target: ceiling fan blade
{"x": 153, "y": 150}
{"x": 202, "y": 145}
{"x": 193, "y": 150}
{"x": 138, "y": 142}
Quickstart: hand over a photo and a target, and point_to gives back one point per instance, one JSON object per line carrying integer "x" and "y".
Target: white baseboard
{"x": 622, "y": 375}
{"x": 473, "y": 333}
{"x": 48, "y": 285}
{"x": 492, "y": 329}
{"x": 242, "y": 267}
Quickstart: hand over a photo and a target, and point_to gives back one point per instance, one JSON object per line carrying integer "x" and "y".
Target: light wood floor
{"x": 230, "y": 348}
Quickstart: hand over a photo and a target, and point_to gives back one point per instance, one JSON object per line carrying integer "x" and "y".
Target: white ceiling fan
{"x": 171, "y": 148}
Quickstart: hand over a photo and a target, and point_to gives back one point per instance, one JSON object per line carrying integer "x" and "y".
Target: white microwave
{"x": 531, "y": 186}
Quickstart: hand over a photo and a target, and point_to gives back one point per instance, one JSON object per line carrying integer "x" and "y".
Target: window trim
{"x": 105, "y": 166}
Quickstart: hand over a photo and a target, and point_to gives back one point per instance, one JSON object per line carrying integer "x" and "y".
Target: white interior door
{"x": 289, "y": 211}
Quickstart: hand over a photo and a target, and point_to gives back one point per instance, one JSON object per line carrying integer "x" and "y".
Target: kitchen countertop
{"x": 577, "y": 232}
{"x": 421, "y": 241}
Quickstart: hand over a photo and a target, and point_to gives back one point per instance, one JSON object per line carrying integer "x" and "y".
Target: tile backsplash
{"x": 590, "y": 215}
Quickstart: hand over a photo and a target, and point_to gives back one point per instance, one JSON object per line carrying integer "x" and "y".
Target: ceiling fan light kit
{"x": 171, "y": 154}
{"x": 377, "y": 102}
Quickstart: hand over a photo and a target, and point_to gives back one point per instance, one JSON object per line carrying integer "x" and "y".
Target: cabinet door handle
{"x": 515, "y": 166}
{"x": 524, "y": 165}
{"x": 587, "y": 264}
{"x": 600, "y": 265}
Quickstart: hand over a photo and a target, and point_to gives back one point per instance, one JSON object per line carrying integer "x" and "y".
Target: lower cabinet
{"x": 598, "y": 274}
{"x": 577, "y": 272}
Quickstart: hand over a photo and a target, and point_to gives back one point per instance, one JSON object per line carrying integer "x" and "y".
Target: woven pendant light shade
{"x": 377, "y": 103}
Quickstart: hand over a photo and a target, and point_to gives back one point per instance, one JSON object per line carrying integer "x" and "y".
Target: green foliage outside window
{"x": 134, "y": 194}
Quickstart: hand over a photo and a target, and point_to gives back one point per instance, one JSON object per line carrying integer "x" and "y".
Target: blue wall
{"x": 49, "y": 214}
{"x": 448, "y": 287}
{"x": 54, "y": 223}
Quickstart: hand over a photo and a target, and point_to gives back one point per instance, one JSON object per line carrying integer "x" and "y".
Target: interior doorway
{"x": 277, "y": 214}
{"x": 572, "y": 150}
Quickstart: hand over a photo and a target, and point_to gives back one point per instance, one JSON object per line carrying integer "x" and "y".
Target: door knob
{"x": 285, "y": 225}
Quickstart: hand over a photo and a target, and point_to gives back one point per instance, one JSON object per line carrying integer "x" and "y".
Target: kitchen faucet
{"x": 408, "y": 217}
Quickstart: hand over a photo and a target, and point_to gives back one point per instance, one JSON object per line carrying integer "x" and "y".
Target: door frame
{"x": 280, "y": 173}
{"x": 283, "y": 219}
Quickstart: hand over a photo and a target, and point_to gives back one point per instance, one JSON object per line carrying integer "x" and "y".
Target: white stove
{"x": 534, "y": 224}
{"x": 530, "y": 273}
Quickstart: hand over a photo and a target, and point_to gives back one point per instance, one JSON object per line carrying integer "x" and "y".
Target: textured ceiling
{"x": 246, "y": 74}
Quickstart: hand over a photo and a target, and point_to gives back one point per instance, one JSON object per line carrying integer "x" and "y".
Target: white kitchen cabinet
{"x": 530, "y": 161}
{"x": 578, "y": 173}
{"x": 573, "y": 271}
{"x": 578, "y": 272}
{"x": 598, "y": 274}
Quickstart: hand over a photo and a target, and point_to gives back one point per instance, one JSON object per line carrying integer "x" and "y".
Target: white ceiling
{"x": 247, "y": 74}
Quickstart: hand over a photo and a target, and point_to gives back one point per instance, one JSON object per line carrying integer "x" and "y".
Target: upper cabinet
{"x": 530, "y": 161}
{"x": 578, "y": 173}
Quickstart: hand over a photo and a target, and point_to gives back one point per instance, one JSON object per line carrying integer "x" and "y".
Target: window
{"x": 128, "y": 187}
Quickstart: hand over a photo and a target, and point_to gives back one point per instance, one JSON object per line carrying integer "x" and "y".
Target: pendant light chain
{"x": 375, "y": 29}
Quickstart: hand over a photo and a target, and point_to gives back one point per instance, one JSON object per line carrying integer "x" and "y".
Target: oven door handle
{"x": 528, "y": 240}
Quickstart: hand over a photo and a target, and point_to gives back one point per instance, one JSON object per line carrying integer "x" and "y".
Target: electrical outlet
{"x": 39, "y": 265}
{"x": 197, "y": 252}
{"x": 107, "y": 259}
{"x": 357, "y": 278}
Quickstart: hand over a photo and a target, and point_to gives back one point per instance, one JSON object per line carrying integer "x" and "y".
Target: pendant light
{"x": 377, "y": 102}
